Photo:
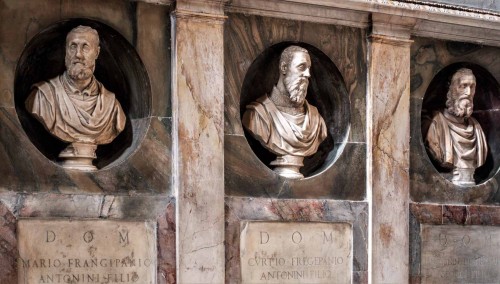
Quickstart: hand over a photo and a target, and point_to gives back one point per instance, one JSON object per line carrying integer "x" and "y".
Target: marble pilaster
{"x": 198, "y": 117}
{"x": 388, "y": 144}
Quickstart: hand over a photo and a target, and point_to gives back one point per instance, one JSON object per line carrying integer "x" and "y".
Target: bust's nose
{"x": 307, "y": 73}
{"x": 79, "y": 53}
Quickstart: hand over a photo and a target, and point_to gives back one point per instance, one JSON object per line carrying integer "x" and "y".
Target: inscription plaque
{"x": 272, "y": 252}
{"x": 86, "y": 251}
{"x": 460, "y": 254}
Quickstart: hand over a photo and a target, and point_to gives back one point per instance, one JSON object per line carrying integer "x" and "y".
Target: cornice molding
{"x": 211, "y": 7}
{"x": 396, "y": 41}
{"x": 201, "y": 17}
{"x": 302, "y": 11}
{"x": 426, "y": 19}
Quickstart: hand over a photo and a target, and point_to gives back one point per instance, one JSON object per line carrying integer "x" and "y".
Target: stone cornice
{"x": 300, "y": 10}
{"x": 427, "y": 19}
{"x": 211, "y": 7}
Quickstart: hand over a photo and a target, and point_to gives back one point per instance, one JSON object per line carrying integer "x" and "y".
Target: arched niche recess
{"x": 486, "y": 112}
{"x": 326, "y": 91}
{"x": 118, "y": 68}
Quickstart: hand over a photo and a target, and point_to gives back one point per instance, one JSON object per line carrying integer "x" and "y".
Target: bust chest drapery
{"x": 92, "y": 115}
{"x": 282, "y": 133}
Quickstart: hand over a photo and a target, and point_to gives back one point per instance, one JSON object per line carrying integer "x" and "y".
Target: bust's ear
{"x": 283, "y": 68}
{"x": 98, "y": 51}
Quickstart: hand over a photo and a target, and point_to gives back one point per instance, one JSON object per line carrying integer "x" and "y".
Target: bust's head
{"x": 295, "y": 65}
{"x": 460, "y": 95}
{"x": 82, "y": 49}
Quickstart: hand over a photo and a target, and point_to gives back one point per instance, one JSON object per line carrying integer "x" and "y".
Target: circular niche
{"x": 118, "y": 68}
{"x": 326, "y": 91}
{"x": 486, "y": 111}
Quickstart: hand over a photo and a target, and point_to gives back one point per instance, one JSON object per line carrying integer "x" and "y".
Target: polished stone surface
{"x": 438, "y": 215}
{"x": 442, "y": 214}
{"x": 346, "y": 48}
{"x": 86, "y": 250}
{"x": 389, "y": 96}
{"x": 199, "y": 144}
{"x": 432, "y": 64}
{"x": 493, "y": 5}
{"x": 136, "y": 184}
{"x": 8, "y": 250}
{"x": 43, "y": 205}
{"x": 31, "y": 171}
{"x": 458, "y": 254}
{"x": 242, "y": 209}
{"x": 253, "y": 178}
{"x": 280, "y": 252}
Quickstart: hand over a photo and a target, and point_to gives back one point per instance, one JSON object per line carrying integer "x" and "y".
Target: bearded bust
{"x": 283, "y": 121}
{"x": 455, "y": 139}
{"x": 74, "y": 106}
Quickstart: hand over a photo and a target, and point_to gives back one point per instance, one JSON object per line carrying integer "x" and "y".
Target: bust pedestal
{"x": 463, "y": 176}
{"x": 288, "y": 166}
{"x": 79, "y": 156}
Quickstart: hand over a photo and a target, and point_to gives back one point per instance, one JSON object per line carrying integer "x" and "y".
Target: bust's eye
{"x": 72, "y": 46}
{"x": 86, "y": 47}
{"x": 301, "y": 67}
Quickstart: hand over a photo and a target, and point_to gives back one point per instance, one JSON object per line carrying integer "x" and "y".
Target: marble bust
{"x": 74, "y": 106}
{"x": 455, "y": 139}
{"x": 283, "y": 121}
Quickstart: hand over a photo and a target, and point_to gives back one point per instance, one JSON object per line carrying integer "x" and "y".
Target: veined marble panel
{"x": 246, "y": 37}
{"x": 428, "y": 58}
{"x": 24, "y": 167}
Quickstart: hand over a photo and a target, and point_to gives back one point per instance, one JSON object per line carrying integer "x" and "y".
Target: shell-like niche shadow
{"x": 326, "y": 91}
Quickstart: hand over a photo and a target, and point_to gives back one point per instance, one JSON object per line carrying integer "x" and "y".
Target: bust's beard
{"x": 297, "y": 89}
{"x": 79, "y": 69}
{"x": 460, "y": 107}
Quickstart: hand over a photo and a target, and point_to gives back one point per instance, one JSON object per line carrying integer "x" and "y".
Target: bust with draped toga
{"x": 74, "y": 106}
{"x": 455, "y": 139}
{"x": 283, "y": 121}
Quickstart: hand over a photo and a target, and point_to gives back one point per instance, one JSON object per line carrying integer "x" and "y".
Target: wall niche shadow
{"x": 326, "y": 91}
{"x": 486, "y": 112}
{"x": 118, "y": 68}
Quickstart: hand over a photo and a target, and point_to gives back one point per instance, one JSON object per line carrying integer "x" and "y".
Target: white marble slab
{"x": 460, "y": 254}
{"x": 273, "y": 252}
{"x": 86, "y": 251}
